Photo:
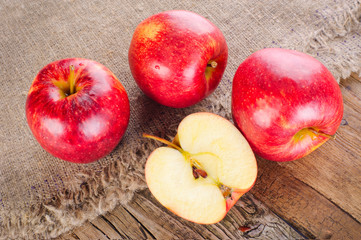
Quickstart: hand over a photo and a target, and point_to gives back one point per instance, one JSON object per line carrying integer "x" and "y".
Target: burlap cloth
{"x": 42, "y": 196}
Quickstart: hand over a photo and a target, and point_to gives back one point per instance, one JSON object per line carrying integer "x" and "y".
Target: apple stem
{"x": 71, "y": 79}
{"x": 196, "y": 169}
{"x": 213, "y": 64}
{"x": 164, "y": 141}
{"x": 324, "y": 134}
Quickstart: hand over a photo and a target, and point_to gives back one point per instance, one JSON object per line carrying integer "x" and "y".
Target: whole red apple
{"x": 177, "y": 58}
{"x": 77, "y": 110}
{"x": 286, "y": 103}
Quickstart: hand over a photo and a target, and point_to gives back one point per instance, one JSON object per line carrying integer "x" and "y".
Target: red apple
{"x": 206, "y": 169}
{"x": 286, "y": 103}
{"x": 77, "y": 110}
{"x": 177, "y": 58}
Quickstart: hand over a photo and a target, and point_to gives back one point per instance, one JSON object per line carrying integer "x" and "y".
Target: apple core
{"x": 67, "y": 88}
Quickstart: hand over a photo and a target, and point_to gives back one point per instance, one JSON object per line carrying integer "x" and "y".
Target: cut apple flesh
{"x": 210, "y": 133}
{"x": 203, "y": 179}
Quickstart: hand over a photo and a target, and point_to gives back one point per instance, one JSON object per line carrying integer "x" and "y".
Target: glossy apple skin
{"x": 84, "y": 126}
{"x": 278, "y": 92}
{"x": 168, "y": 57}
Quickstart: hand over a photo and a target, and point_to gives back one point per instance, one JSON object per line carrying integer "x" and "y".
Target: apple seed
{"x": 195, "y": 173}
{"x": 201, "y": 172}
{"x": 198, "y": 172}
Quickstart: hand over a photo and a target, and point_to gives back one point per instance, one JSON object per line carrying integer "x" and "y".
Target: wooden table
{"x": 318, "y": 196}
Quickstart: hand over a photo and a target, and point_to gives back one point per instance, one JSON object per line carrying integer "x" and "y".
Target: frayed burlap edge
{"x": 90, "y": 194}
{"x": 96, "y": 193}
{"x": 347, "y": 20}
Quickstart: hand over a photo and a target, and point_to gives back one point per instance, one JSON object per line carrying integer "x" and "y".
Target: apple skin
{"x": 168, "y": 57}
{"x": 84, "y": 126}
{"x": 285, "y": 103}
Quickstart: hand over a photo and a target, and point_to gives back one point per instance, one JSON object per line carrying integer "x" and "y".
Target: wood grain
{"x": 118, "y": 224}
{"x": 316, "y": 197}
{"x": 312, "y": 213}
{"x": 145, "y": 218}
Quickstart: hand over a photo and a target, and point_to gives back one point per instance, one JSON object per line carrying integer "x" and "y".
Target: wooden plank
{"x": 127, "y": 224}
{"x": 87, "y": 231}
{"x": 320, "y": 194}
{"x": 68, "y": 236}
{"x": 159, "y": 221}
{"x": 92, "y": 230}
{"x": 249, "y": 218}
{"x": 248, "y": 212}
{"x": 302, "y": 206}
{"x": 355, "y": 76}
{"x": 118, "y": 224}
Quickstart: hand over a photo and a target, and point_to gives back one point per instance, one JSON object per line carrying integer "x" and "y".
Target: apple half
{"x": 204, "y": 171}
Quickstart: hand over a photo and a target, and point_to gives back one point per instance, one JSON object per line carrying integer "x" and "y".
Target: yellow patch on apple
{"x": 150, "y": 30}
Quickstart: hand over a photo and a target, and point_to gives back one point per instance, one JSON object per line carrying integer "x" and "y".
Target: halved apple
{"x": 206, "y": 169}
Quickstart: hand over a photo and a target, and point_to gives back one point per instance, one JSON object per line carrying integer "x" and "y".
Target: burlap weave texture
{"x": 44, "y": 196}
